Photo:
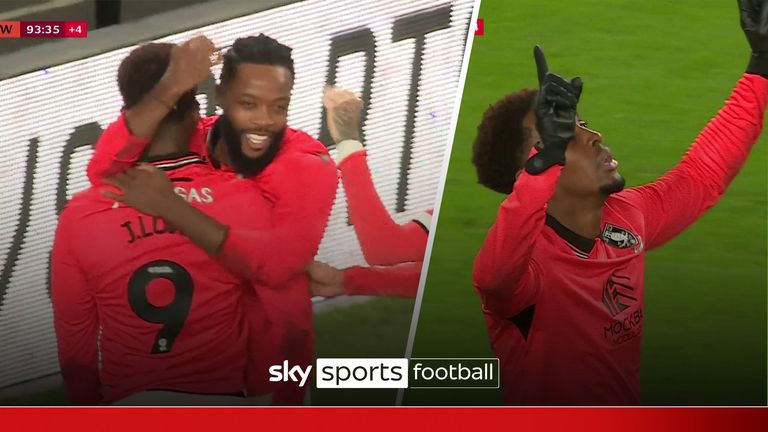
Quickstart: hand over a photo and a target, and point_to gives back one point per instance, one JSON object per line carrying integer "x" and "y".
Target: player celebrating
{"x": 171, "y": 319}
{"x": 561, "y": 271}
{"x": 395, "y": 251}
{"x": 291, "y": 170}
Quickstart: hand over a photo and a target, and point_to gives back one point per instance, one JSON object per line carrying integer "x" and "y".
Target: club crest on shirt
{"x": 618, "y": 294}
{"x": 621, "y": 301}
{"x": 621, "y": 238}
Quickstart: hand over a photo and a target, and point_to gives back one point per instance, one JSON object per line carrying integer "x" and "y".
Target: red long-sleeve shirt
{"x": 383, "y": 241}
{"x": 300, "y": 183}
{"x": 567, "y": 323}
{"x": 396, "y": 251}
{"x": 400, "y": 280}
{"x": 170, "y": 316}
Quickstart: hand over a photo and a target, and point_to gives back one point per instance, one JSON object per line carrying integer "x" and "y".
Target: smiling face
{"x": 256, "y": 101}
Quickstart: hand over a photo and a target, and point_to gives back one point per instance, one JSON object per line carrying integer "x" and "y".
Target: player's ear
{"x": 220, "y": 96}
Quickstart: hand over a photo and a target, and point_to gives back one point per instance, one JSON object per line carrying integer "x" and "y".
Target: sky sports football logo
{"x": 360, "y": 373}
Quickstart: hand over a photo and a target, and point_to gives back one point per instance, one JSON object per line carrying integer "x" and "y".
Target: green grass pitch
{"x": 655, "y": 72}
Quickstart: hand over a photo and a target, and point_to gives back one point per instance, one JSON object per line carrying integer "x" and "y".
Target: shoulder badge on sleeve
{"x": 621, "y": 238}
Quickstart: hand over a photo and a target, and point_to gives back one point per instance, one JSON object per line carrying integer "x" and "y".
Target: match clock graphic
{"x": 43, "y": 29}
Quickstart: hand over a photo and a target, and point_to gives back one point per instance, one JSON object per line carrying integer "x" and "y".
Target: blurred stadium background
{"x": 655, "y": 72}
{"x": 382, "y": 42}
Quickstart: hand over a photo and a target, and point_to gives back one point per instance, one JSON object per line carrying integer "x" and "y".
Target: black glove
{"x": 555, "y": 109}
{"x": 754, "y": 21}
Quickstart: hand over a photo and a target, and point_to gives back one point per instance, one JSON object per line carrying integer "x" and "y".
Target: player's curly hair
{"x": 502, "y": 144}
{"x": 260, "y": 49}
{"x": 142, "y": 69}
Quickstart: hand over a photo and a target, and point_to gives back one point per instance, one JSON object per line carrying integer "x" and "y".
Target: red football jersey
{"x": 300, "y": 186}
{"x": 400, "y": 280}
{"x": 382, "y": 240}
{"x": 565, "y": 313}
{"x": 395, "y": 251}
{"x": 159, "y": 312}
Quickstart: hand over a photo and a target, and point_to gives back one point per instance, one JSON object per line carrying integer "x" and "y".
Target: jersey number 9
{"x": 172, "y": 315}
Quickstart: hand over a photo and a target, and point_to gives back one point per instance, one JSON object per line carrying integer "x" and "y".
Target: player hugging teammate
{"x": 254, "y": 230}
{"x": 180, "y": 280}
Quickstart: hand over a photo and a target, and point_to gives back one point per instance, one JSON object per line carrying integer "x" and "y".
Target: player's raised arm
{"x": 504, "y": 275}
{"x": 122, "y": 143}
{"x": 75, "y": 320}
{"x": 679, "y": 197}
{"x": 382, "y": 240}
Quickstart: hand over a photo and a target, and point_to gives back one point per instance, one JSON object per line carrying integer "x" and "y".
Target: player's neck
{"x": 578, "y": 214}
{"x": 221, "y": 154}
{"x": 167, "y": 140}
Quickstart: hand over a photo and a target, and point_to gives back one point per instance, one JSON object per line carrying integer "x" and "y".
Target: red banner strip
{"x": 388, "y": 419}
